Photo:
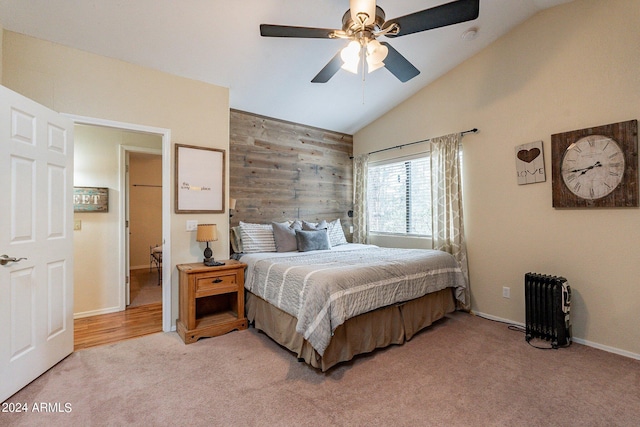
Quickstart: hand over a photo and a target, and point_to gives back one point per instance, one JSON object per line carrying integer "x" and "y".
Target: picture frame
{"x": 596, "y": 167}
{"x": 530, "y": 163}
{"x": 90, "y": 199}
{"x": 199, "y": 179}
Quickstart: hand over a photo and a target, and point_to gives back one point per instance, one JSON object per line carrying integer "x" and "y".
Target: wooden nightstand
{"x": 211, "y": 300}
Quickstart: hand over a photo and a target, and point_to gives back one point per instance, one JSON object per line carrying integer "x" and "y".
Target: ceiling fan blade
{"x": 329, "y": 70}
{"x": 267, "y": 30}
{"x": 398, "y": 65}
{"x": 436, "y": 17}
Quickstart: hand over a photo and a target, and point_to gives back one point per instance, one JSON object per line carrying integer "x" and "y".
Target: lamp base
{"x": 210, "y": 262}
{"x": 208, "y": 258}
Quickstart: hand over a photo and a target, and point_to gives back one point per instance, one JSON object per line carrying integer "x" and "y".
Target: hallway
{"x": 142, "y": 317}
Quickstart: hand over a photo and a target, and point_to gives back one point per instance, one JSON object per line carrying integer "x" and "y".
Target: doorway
{"x": 121, "y": 264}
{"x": 144, "y": 220}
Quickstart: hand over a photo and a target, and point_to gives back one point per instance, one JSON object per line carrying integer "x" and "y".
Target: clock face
{"x": 593, "y": 166}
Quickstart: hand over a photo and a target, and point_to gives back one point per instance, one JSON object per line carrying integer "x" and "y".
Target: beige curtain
{"x": 446, "y": 203}
{"x": 360, "y": 221}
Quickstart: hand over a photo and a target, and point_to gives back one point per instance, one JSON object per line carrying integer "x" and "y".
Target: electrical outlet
{"x": 192, "y": 225}
{"x": 506, "y": 292}
{"x": 77, "y": 224}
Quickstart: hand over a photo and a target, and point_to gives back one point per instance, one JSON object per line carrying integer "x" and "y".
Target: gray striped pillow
{"x": 257, "y": 238}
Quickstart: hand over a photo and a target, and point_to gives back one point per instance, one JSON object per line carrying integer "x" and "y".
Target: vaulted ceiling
{"x": 219, "y": 42}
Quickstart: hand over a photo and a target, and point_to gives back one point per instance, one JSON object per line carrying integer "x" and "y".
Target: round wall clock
{"x": 596, "y": 167}
{"x": 593, "y": 166}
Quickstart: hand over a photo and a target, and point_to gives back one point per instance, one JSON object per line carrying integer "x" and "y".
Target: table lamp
{"x": 208, "y": 233}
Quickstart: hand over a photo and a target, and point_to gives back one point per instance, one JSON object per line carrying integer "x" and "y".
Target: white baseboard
{"x": 96, "y": 312}
{"x": 497, "y": 319}
{"x": 606, "y": 348}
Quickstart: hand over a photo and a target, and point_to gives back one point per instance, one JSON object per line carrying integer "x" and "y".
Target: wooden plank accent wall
{"x": 280, "y": 170}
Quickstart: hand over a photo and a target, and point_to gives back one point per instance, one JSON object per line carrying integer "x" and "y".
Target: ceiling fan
{"x": 363, "y": 23}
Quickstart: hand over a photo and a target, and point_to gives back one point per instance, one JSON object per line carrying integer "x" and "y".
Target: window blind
{"x": 399, "y": 197}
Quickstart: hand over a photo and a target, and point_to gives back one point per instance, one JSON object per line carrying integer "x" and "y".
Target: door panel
{"x": 22, "y": 189}
{"x": 56, "y": 279}
{"x": 23, "y": 310}
{"x": 36, "y": 223}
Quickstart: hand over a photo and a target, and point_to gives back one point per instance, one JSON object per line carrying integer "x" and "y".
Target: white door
{"x": 36, "y": 223}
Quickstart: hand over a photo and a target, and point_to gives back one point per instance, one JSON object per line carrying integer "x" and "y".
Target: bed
{"x": 329, "y": 305}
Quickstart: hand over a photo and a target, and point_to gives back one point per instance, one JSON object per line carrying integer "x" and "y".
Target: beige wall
{"x": 567, "y": 68}
{"x": 75, "y": 82}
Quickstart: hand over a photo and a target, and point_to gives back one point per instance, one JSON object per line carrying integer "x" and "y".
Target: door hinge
{"x": 126, "y": 224}
{"x": 127, "y": 280}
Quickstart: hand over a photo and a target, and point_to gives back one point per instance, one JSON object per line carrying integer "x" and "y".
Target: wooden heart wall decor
{"x": 530, "y": 163}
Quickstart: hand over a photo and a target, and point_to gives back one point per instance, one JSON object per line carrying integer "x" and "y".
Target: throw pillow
{"x": 336, "y": 233}
{"x": 285, "y": 236}
{"x": 312, "y": 240}
{"x": 257, "y": 238}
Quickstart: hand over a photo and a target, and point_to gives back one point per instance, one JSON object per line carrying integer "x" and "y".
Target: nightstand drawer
{"x": 216, "y": 284}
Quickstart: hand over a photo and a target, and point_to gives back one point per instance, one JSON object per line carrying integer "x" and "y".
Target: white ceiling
{"x": 219, "y": 42}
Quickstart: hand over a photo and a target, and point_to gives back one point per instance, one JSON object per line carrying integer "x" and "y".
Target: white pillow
{"x": 257, "y": 238}
{"x": 336, "y": 233}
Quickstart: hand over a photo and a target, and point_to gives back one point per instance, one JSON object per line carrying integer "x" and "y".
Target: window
{"x": 399, "y": 197}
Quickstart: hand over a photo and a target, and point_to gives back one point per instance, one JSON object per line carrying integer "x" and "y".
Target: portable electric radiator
{"x": 547, "y": 306}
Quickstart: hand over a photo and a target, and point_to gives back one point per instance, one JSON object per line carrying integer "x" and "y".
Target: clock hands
{"x": 585, "y": 170}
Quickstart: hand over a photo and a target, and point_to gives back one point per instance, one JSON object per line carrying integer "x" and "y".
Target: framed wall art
{"x": 90, "y": 199}
{"x": 530, "y": 163}
{"x": 199, "y": 179}
{"x": 596, "y": 167}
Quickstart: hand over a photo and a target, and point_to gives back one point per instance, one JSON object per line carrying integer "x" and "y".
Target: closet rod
{"x": 146, "y": 185}
{"x": 474, "y": 130}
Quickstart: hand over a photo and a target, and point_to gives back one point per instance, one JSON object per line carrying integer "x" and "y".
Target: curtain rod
{"x": 474, "y": 130}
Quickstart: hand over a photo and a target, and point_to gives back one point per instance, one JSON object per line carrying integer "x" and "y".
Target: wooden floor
{"x": 113, "y": 327}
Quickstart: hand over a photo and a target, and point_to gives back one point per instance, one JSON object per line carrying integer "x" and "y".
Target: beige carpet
{"x": 463, "y": 371}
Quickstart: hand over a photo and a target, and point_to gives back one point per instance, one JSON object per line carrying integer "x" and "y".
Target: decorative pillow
{"x": 312, "y": 240}
{"x": 236, "y": 241}
{"x": 284, "y": 235}
{"x": 310, "y": 226}
{"x": 257, "y": 238}
{"x": 336, "y": 233}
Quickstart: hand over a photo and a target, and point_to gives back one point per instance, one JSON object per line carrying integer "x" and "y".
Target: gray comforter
{"x": 323, "y": 289}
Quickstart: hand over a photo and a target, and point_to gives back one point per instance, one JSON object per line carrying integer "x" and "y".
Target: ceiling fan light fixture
{"x": 363, "y": 11}
{"x": 376, "y": 51}
{"x": 351, "y": 57}
{"x": 351, "y": 67}
{"x": 372, "y": 66}
{"x": 363, "y": 22}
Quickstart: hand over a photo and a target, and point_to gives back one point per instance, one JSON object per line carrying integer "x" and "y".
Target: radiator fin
{"x": 547, "y": 308}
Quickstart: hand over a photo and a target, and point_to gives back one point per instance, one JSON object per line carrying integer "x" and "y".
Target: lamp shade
{"x": 207, "y": 233}
{"x": 232, "y": 203}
